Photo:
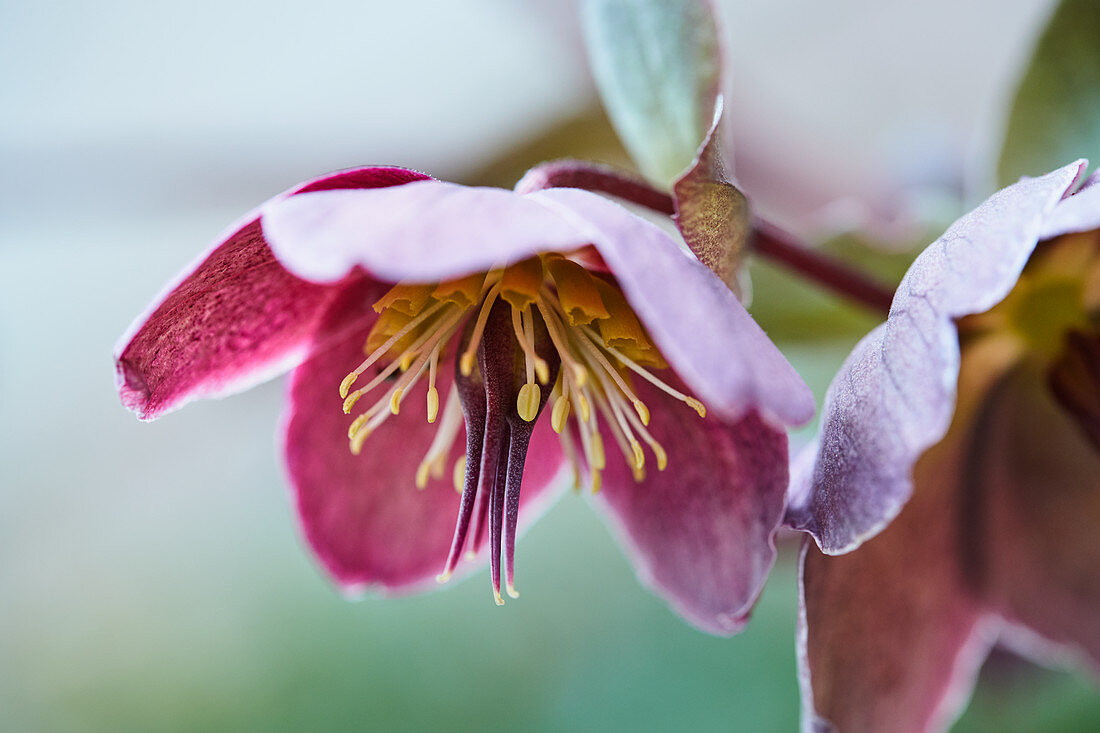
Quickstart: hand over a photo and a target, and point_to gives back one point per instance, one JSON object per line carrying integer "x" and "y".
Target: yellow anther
{"x": 580, "y": 375}
{"x": 359, "y": 438}
{"x": 527, "y": 403}
{"x": 458, "y": 473}
{"x": 642, "y": 410}
{"x": 433, "y": 404}
{"x": 585, "y": 407}
{"x": 357, "y": 423}
{"x": 407, "y": 360}
{"x": 395, "y": 400}
{"x": 542, "y": 370}
{"x": 599, "y": 457}
{"x": 443, "y": 577}
{"x": 697, "y": 406}
{"x": 597, "y": 480}
{"x": 351, "y": 400}
{"x": 407, "y": 299}
{"x": 638, "y": 473}
{"x": 662, "y": 457}
{"x": 422, "y": 472}
{"x": 559, "y": 414}
{"x": 521, "y": 282}
{"x": 497, "y": 598}
{"x": 346, "y": 385}
{"x": 512, "y": 592}
{"x": 466, "y": 364}
{"x": 639, "y": 454}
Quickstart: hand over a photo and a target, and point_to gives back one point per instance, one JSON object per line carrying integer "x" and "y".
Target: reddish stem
{"x": 778, "y": 246}
{"x": 768, "y": 240}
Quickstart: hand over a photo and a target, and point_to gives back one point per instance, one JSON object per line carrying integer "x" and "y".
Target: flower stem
{"x": 768, "y": 240}
{"x": 773, "y": 243}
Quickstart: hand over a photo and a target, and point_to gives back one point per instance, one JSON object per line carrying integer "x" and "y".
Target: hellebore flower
{"x": 971, "y": 416}
{"x": 474, "y": 324}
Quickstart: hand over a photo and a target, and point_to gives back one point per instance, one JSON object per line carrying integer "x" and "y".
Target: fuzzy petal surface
{"x": 430, "y": 231}
{"x": 701, "y": 532}
{"x": 895, "y": 395}
{"x": 363, "y": 517}
{"x": 232, "y": 319}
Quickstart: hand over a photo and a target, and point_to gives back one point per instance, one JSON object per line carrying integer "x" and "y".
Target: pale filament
{"x": 377, "y": 353}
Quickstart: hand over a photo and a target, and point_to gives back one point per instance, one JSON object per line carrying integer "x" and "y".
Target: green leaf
{"x": 657, "y": 64}
{"x": 1055, "y": 118}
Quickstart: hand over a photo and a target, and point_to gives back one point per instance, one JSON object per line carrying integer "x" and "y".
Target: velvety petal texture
{"x": 447, "y": 231}
{"x": 363, "y": 516}
{"x": 701, "y": 532}
{"x": 895, "y": 395}
{"x": 233, "y": 318}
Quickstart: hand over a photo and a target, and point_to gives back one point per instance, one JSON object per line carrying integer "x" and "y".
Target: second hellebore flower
{"x": 974, "y": 411}
{"x": 446, "y": 337}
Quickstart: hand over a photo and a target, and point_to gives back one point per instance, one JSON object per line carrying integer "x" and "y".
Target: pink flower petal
{"x": 895, "y": 395}
{"x": 430, "y": 231}
{"x": 426, "y": 231}
{"x": 698, "y": 323}
{"x": 701, "y": 532}
{"x": 363, "y": 516}
{"x": 232, "y": 319}
{"x": 890, "y": 637}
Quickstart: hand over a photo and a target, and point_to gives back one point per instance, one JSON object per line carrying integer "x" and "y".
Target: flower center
{"x": 542, "y": 331}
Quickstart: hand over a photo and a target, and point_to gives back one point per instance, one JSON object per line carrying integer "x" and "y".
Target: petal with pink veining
{"x": 895, "y": 395}
{"x": 363, "y": 516}
{"x": 232, "y": 319}
{"x": 701, "y": 532}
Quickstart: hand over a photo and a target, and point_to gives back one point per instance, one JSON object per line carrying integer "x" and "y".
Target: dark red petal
{"x": 701, "y": 532}
{"x": 233, "y": 319}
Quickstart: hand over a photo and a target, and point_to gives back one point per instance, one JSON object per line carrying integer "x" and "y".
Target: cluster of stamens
{"x": 543, "y": 323}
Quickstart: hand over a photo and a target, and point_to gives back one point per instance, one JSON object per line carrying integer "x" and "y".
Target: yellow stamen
{"x": 381, "y": 350}
{"x": 512, "y": 592}
{"x": 580, "y": 374}
{"x": 433, "y": 393}
{"x": 559, "y": 414}
{"x": 527, "y": 403}
{"x": 542, "y": 369}
{"x": 525, "y": 337}
{"x": 466, "y": 361}
{"x": 695, "y": 404}
{"x": 445, "y": 434}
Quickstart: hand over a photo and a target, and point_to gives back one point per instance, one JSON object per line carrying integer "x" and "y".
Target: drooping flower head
{"x": 958, "y": 465}
{"x": 480, "y": 339}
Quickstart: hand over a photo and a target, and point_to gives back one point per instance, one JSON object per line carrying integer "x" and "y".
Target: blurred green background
{"x": 151, "y": 576}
